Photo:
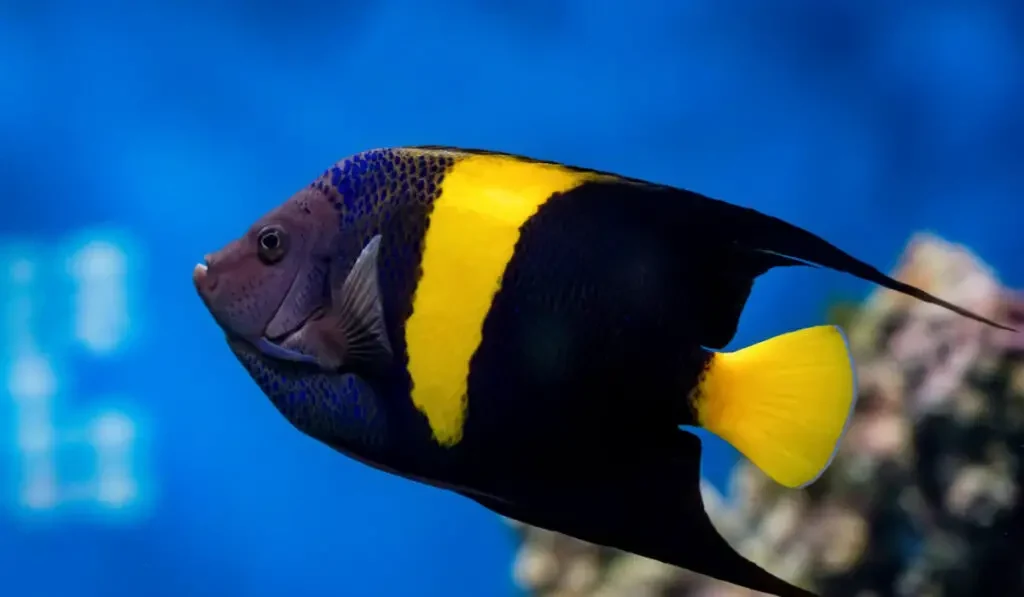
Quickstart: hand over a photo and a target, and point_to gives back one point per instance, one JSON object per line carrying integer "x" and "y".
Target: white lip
{"x": 199, "y": 278}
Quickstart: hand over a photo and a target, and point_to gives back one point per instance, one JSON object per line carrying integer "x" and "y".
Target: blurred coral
{"x": 923, "y": 498}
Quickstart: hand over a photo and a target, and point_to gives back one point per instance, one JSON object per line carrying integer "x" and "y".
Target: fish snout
{"x": 204, "y": 281}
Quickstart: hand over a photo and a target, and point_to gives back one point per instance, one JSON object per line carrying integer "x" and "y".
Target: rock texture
{"x": 924, "y": 498}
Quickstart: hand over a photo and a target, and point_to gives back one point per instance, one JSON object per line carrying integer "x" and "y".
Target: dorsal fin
{"x": 758, "y": 232}
{"x": 761, "y": 232}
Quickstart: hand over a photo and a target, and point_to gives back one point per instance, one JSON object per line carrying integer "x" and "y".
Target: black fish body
{"x": 532, "y": 336}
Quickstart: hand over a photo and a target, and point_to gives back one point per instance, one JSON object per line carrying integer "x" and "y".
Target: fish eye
{"x": 271, "y": 244}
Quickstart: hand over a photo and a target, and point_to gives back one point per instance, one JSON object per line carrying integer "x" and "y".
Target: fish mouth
{"x": 252, "y": 341}
{"x": 199, "y": 280}
{"x": 199, "y": 273}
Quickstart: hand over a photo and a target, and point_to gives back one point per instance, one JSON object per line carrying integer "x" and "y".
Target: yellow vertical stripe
{"x": 473, "y": 230}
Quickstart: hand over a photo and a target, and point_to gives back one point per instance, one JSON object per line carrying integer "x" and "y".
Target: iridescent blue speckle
{"x": 335, "y": 407}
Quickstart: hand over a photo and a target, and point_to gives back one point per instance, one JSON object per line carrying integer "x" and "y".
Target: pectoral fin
{"x": 352, "y": 332}
{"x": 360, "y": 310}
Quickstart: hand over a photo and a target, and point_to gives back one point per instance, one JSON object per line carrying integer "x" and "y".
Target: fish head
{"x": 265, "y": 285}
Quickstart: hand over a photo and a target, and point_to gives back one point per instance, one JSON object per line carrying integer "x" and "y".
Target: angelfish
{"x": 532, "y": 336}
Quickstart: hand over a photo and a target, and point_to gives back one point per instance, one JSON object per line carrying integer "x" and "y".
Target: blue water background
{"x": 135, "y": 136}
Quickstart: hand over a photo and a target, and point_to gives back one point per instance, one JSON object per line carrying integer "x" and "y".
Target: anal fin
{"x": 664, "y": 518}
{"x": 652, "y": 508}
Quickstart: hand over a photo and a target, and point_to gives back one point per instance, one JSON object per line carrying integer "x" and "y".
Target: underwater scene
{"x": 402, "y": 299}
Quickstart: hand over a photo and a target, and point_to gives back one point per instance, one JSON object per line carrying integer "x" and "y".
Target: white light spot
{"x": 116, "y": 490}
{"x": 40, "y": 494}
{"x": 112, "y": 430}
{"x": 101, "y": 306}
{"x": 38, "y": 437}
{"x": 53, "y": 445}
{"x": 31, "y": 378}
{"x": 112, "y": 437}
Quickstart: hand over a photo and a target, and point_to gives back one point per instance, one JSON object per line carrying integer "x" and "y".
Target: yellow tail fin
{"x": 783, "y": 403}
